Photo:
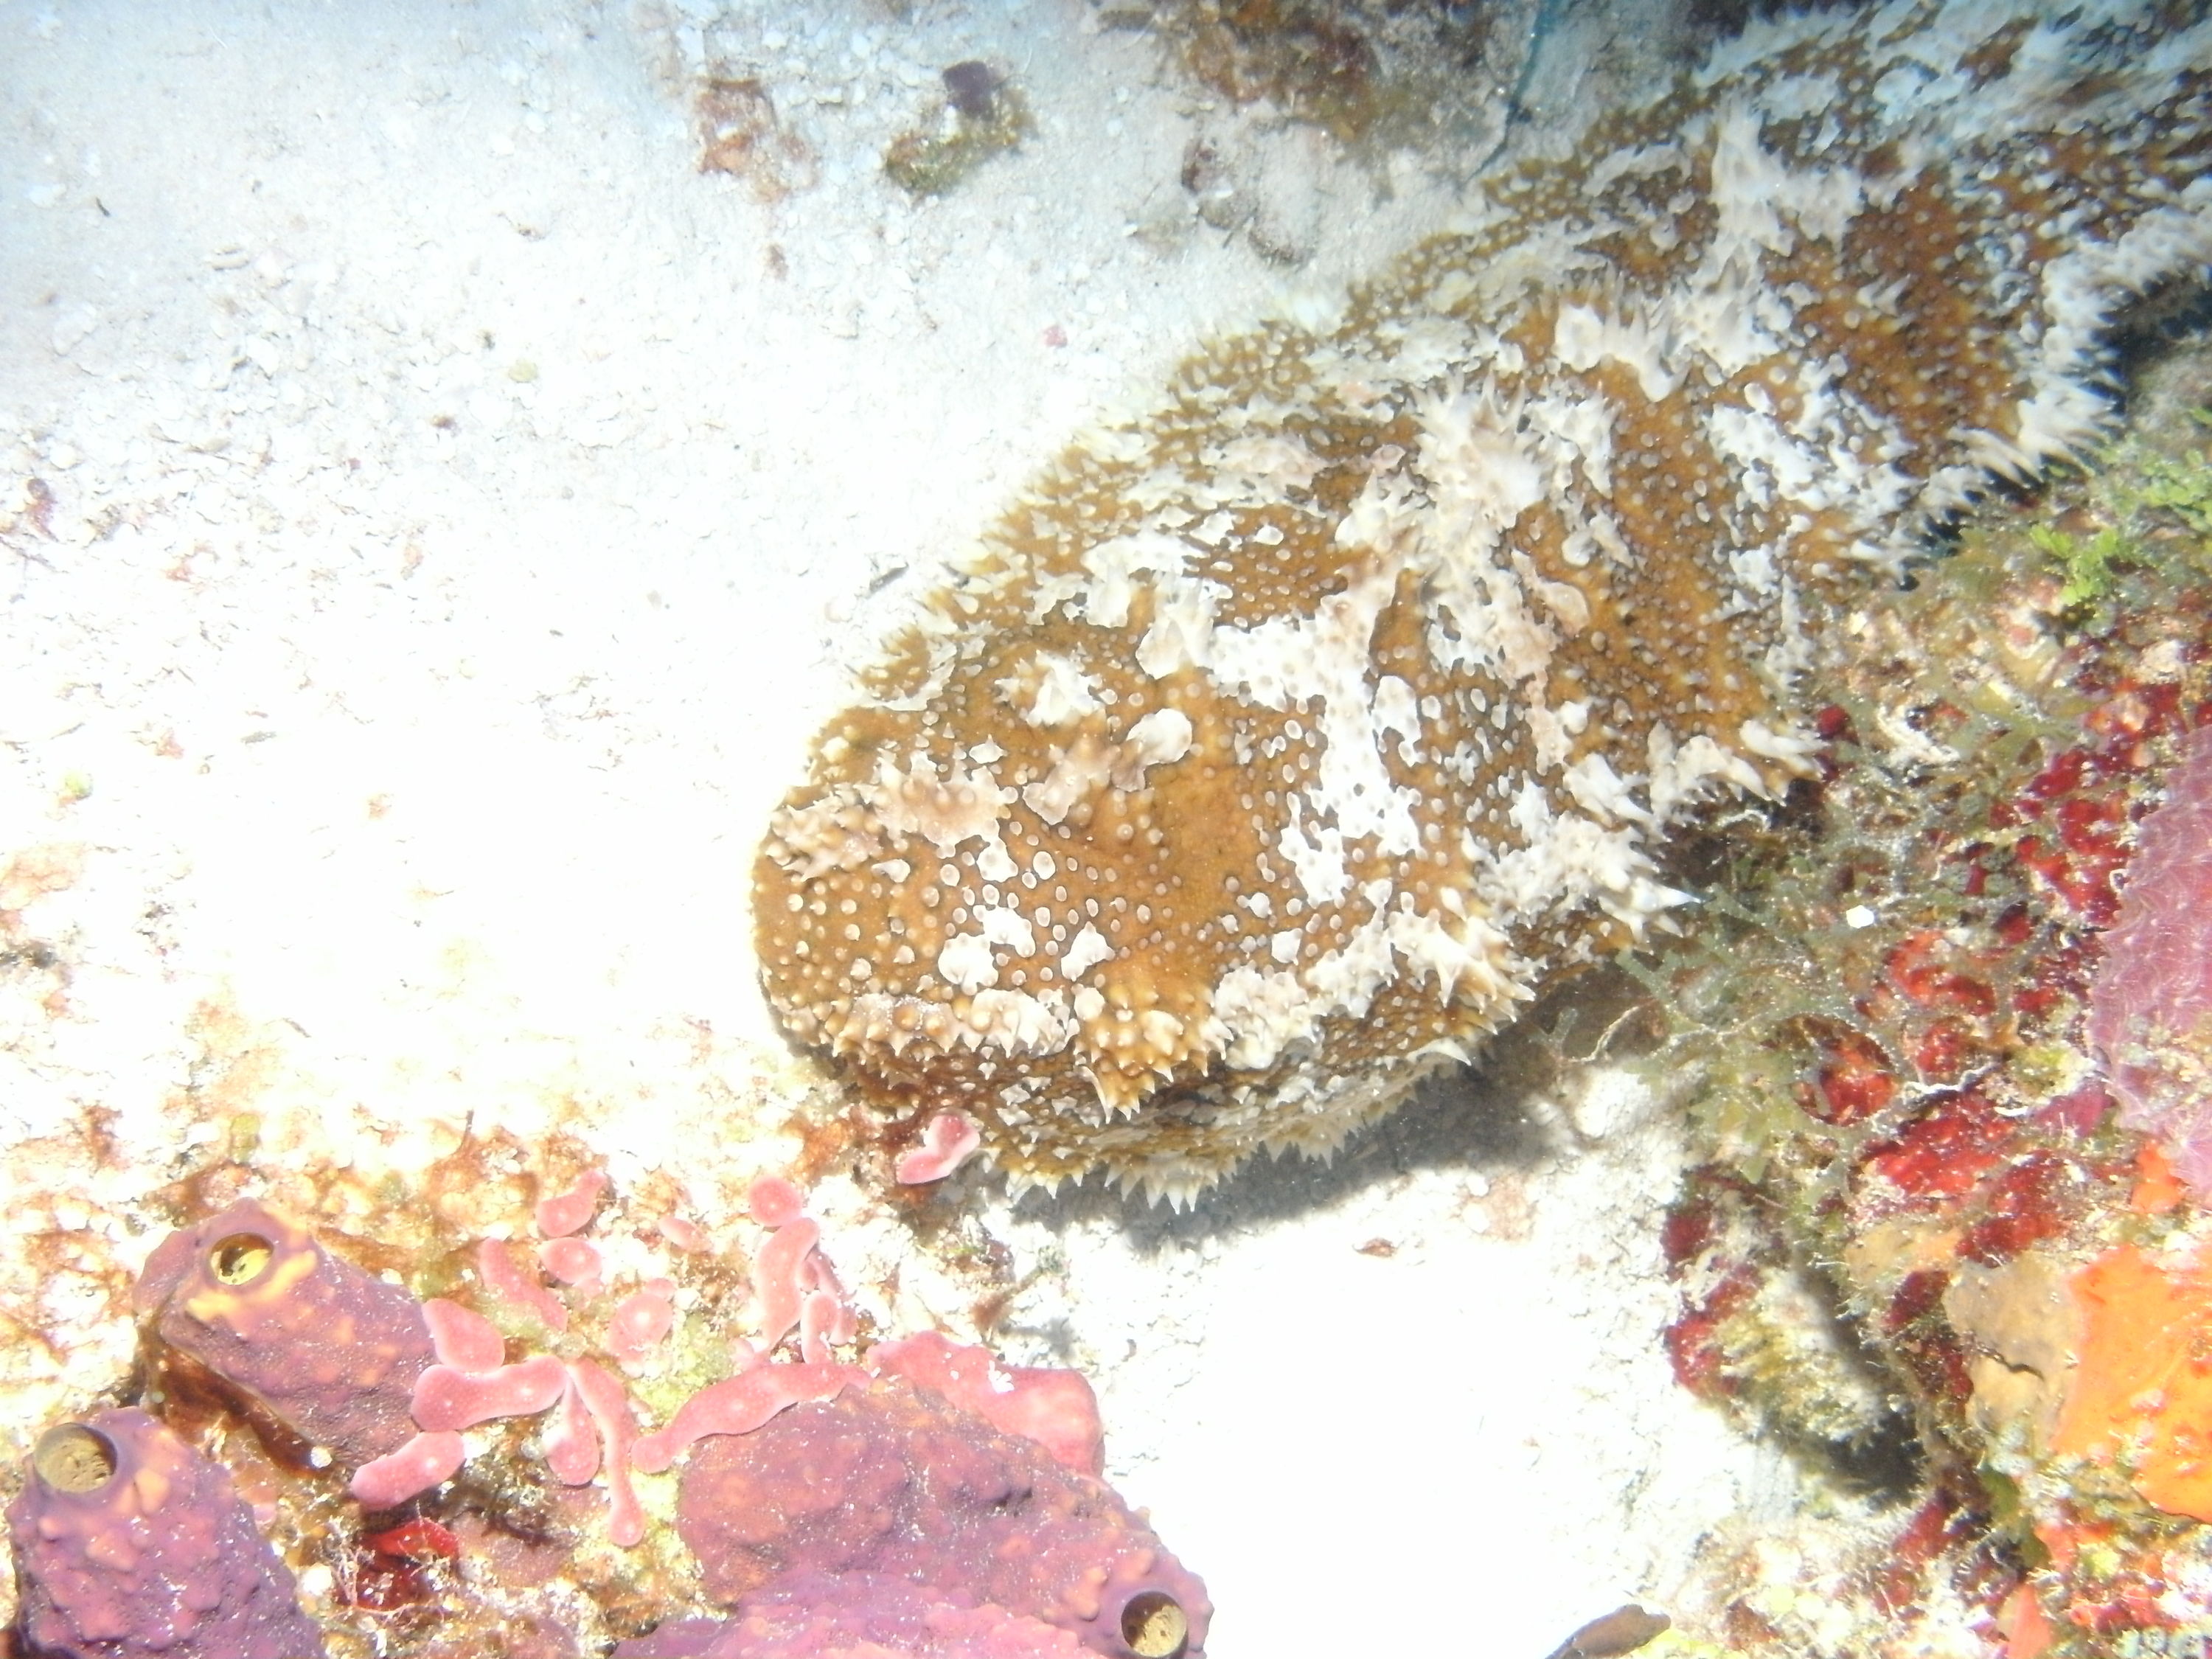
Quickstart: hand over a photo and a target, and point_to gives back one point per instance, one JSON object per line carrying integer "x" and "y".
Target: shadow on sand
{"x": 1501, "y": 1113}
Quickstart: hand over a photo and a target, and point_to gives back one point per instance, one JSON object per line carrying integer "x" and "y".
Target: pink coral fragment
{"x": 574, "y": 1262}
{"x": 842, "y": 1325}
{"x": 506, "y": 1279}
{"x": 572, "y": 1446}
{"x": 564, "y": 1213}
{"x": 463, "y": 1338}
{"x": 430, "y": 1458}
{"x": 642, "y": 1321}
{"x": 448, "y": 1399}
{"x": 778, "y": 1278}
{"x": 603, "y": 1397}
{"x": 773, "y": 1201}
{"x": 686, "y": 1236}
{"x": 1054, "y": 1408}
{"x": 1058, "y": 1409}
{"x": 738, "y": 1404}
{"x": 818, "y": 1327}
{"x": 949, "y": 1141}
{"x": 2150, "y": 1006}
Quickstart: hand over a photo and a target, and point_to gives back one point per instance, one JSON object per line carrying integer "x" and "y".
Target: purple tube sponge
{"x": 857, "y": 1616}
{"x": 2150, "y": 1006}
{"x": 896, "y": 1480}
{"x": 128, "y": 1542}
{"x": 327, "y": 1349}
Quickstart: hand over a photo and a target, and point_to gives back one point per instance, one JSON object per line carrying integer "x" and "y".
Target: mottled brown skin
{"x": 1581, "y": 485}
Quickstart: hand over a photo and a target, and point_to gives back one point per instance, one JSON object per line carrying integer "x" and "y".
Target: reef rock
{"x": 129, "y": 1543}
{"x": 1278, "y": 744}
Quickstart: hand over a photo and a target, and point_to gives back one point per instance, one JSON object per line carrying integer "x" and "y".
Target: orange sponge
{"x": 2144, "y": 1382}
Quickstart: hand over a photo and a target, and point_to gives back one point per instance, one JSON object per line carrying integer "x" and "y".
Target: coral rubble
{"x": 741, "y": 136}
{"x": 981, "y": 115}
{"x": 1276, "y": 746}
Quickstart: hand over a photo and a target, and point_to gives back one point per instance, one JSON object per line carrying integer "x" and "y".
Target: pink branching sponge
{"x": 949, "y": 1141}
{"x": 894, "y": 1480}
{"x": 2150, "y": 1007}
{"x": 129, "y": 1543}
{"x": 566, "y": 1213}
{"x": 331, "y": 1351}
{"x": 1055, "y": 1408}
{"x": 516, "y": 1284}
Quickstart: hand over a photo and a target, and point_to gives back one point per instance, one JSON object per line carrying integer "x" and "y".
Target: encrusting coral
{"x": 1278, "y": 743}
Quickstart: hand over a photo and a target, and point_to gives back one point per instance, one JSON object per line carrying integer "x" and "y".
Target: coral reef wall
{"x": 1943, "y": 1052}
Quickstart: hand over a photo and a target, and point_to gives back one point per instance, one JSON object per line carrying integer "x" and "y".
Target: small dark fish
{"x": 1622, "y": 1631}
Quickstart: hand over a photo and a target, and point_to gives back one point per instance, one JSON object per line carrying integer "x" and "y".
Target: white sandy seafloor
{"x": 434, "y": 516}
